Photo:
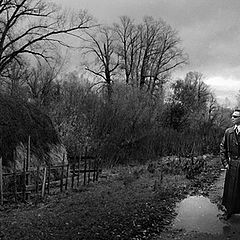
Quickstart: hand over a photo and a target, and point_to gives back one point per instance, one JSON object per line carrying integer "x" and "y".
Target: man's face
{"x": 236, "y": 117}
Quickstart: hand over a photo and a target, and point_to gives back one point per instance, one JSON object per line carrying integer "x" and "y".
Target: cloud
{"x": 209, "y": 30}
{"x": 224, "y": 88}
{"x": 221, "y": 82}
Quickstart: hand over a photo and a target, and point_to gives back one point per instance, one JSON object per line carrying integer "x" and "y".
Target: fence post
{"x": 49, "y": 174}
{"x": 44, "y": 181}
{"x": 37, "y": 179}
{"x": 1, "y": 182}
{"x": 14, "y": 176}
{"x": 73, "y": 174}
{"x": 97, "y": 169}
{"x": 94, "y": 169}
{"x": 89, "y": 169}
{"x": 28, "y": 159}
{"x": 62, "y": 173}
{"x": 66, "y": 183}
{"x": 85, "y": 171}
{"x": 24, "y": 179}
{"x": 78, "y": 174}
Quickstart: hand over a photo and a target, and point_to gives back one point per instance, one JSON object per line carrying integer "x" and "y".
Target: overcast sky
{"x": 209, "y": 30}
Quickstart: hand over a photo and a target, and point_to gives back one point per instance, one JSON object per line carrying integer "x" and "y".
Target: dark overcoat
{"x": 230, "y": 154}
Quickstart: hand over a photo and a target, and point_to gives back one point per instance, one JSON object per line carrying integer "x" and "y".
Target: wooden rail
{"x": 28, "y": 182}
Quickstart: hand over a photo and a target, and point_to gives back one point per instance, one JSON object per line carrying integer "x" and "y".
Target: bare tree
{"x": 161, "y": 53}
{"x": 14, "y": 83}
{"x": 213, "y": 108}
{"x": 149, "y": 51}
{"x": 192, "y": 92}
{"x": 145, "y": 54}
{"x": 101, "y": 47}
{"x": 42, "y": 84}
{"x": 128, "y": 46}
{"x": 33, "y": 27}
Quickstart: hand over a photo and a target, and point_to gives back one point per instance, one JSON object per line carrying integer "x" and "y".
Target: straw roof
{"x": 18, "y": 120}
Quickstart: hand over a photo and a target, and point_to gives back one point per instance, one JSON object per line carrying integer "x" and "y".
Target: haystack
{"x": 18, "y": 121}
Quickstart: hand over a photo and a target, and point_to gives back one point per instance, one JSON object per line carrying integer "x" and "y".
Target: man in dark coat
{"x": 230, "y": 156}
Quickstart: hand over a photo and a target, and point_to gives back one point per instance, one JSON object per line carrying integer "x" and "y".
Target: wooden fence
{"x": 28, "y": 183}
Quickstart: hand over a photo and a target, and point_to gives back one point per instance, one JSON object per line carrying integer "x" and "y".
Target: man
{"x": 230, "y": 156}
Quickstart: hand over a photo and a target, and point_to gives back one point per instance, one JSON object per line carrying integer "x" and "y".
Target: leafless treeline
{"x": 142, "y": 55}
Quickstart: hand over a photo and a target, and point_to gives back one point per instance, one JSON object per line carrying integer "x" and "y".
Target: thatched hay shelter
{"x": 18, "y": 120}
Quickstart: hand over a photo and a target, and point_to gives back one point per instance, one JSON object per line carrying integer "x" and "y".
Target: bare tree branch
{"x": 101, "y": 47}
{"x": 26, "y": 25}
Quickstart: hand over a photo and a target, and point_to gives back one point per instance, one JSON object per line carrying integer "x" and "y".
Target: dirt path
{"x": 132, "y": 204}
{"x": 201, "y": 217}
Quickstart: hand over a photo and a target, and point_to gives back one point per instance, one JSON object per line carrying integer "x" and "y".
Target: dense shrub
{"x": 133, "y": 126}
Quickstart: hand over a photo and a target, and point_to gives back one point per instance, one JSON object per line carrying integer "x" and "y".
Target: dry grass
{"x": 131, "y": 203}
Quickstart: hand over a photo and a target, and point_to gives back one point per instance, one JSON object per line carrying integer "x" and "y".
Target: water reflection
{"x": 197, "y": 213}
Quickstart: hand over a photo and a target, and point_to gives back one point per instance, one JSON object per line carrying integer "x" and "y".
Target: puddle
{"x": 197, "y": 213}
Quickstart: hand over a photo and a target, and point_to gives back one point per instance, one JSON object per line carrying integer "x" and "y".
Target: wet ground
{"x": 201, "y": 217}
{"x": 195, "y": 213}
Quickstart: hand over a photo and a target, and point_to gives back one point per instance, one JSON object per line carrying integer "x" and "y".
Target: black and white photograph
{"x": 119, "y": 119}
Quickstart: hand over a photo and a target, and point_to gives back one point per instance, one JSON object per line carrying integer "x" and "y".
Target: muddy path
{"x": 201, "y": 217}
